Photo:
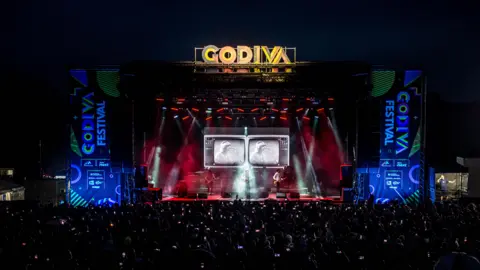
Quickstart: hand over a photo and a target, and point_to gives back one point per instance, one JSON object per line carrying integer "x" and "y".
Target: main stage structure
{"x": 377, "y": 115}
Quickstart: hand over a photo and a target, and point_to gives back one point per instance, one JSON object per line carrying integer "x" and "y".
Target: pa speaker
{"x": 294, "y": 195}
{"x": 191, "y": 195}
{"x": 141, "y": 176}
{"x": 347, "y": 195}
{"x": 346, "y": 176}
{"x": 263, "y": 195}
{"x": 203, "y": 195}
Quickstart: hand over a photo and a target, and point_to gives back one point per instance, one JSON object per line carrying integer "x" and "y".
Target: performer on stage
{"x": 246, "y": 178}
{"x": 277, "y": 179}
{"x": 209, "y": 180}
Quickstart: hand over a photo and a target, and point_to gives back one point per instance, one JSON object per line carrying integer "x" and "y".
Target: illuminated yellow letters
{"x": 257, "y": 57}
{"x": 209, "y": 54}
{"x": 227, "y": 55}
{"x": 275, "y": 55}
{"x": 244, "y": 55}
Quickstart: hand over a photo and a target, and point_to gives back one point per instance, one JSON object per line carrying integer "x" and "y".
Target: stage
{"x": 271, "y": 197}
{"x": 219, "y": 120}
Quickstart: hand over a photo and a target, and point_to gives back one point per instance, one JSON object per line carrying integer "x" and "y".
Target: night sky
{"x": 43, "y": 38}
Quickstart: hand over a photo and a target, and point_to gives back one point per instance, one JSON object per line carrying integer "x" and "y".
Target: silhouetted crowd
{"x": 240, "y": 235}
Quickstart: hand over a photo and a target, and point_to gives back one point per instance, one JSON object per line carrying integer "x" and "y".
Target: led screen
{"x": 229, "y": 152}
{"x": 263, "y": 152}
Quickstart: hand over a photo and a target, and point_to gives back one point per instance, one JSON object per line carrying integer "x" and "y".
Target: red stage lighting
{"x": 208, "y": 118}
{"x": 185, "y": 117}
{"x": 174, "y": 109}
{"x": 263, "y": 100}
{"x": 299, "y": 109}
{"x": 283, "y": 117}
{"x": 160, "y": 99}
{"x": 195, "y": 109}
{"x": 285, "y": 99}
{"x": 263, "y": 118}
{"x": 240, "y": 110}
{"x": 228, "y": 117}
{"x": 180, "y": 99}
{"x": 331, "y": 99}
{"x": 306, "y": 118}
{"x": 275, "y": 110}
{"x": 321, "y": 110}
{"x": 254, "y": 109}
{"x": 219, "y": 110}
{"x": 283, "y": 112}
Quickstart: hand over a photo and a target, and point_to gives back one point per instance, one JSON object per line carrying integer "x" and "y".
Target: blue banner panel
{"x": 92, "y": 179}
{"x": 397, "y": 176}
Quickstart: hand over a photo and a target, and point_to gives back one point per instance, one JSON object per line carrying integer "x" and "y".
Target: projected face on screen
{"x": 263, "y": 152}
{"x": 229, "y": 152}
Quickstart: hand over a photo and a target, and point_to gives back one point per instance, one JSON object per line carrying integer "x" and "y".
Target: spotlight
{"x": 283, "y": 117}
{"x": 228, "y": 118}
{"x": 316, "y": 116}
{"x": 263, "y": 118}
{"x": 219, "y": 117}
{"x": 164, "y": 108}
{"x": 176, "y": 116}
{"x": 208, "y": 118}
{"x": 273, "y": 117}
{"x": 186, "y": 117}
{"x": 306, "y": 118}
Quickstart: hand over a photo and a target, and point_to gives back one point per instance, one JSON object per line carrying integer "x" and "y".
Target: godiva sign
{"x": 245, "y": 55}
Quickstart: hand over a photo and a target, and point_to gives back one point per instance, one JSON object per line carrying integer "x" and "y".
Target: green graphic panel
{"x": 108, "y": 81}
{"x": 74, "y": 143}
{"x": 382, "y": 81}
{"x": 416, "y": 144}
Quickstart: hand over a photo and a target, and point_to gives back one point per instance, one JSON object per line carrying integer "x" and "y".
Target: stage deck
{"x": 271, "y": 197}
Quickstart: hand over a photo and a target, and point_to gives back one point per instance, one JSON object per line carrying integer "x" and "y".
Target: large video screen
{"x": 236, "y": 147}
{"x": 229, "y": 151}
{"x": 224, "y": 151}
{"x": 268, "y": 150}
{"x": 263, "y": 152}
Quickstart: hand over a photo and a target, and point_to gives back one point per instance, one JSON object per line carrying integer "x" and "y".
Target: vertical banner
{"x": 92, "y": 178}
{"x": 398, "y": 173}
